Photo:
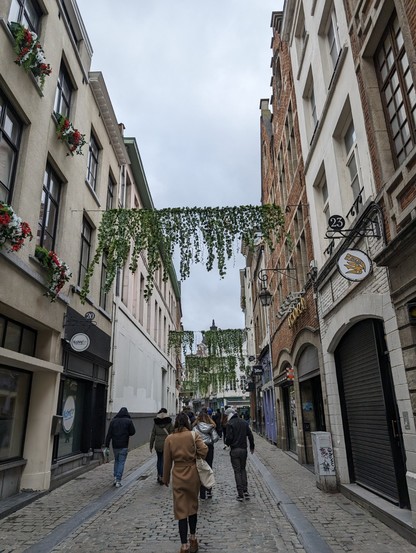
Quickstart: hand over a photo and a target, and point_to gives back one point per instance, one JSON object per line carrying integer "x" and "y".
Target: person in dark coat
{"x": 216, "y": 417}
{"x": 238, "y": 431}
{"x": 120, "y": 429}
{"x": 162, "y": 427}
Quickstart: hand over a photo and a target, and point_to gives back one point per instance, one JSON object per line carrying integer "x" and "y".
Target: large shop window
{"x": 73, "y": 402}
{"x": 14, "y": 399}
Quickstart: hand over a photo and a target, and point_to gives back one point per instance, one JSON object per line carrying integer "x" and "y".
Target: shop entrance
{"x": 369, "y": 410}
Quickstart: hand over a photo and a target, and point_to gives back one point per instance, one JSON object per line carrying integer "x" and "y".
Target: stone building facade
{"x": 57, "y": 358}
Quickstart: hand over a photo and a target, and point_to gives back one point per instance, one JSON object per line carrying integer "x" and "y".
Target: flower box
{"x": 30, "y": 54}
{"x": 13, "y": 231}
{"x": 66, "y": 132}
{"x": 58, "y": 271}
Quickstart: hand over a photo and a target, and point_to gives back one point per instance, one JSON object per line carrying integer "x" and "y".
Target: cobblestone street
{"x": 286, "y": 513}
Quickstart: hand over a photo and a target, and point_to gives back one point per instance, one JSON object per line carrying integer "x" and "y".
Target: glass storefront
{"x": 70, "y": 437}
{"x": 14, "y": 399}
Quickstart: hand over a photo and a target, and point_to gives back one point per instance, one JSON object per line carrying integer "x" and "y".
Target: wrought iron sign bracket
{"x": 368, "y": 228}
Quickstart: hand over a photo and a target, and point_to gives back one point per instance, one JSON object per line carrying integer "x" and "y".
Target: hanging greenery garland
{"x": 225, "y": 342}
{"x": 211, "y": 371}
{"x": 181, "y": 340}
{"x": 202, "y": 235}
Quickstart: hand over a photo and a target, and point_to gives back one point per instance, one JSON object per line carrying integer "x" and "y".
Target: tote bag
{"x": 206, "y": 474}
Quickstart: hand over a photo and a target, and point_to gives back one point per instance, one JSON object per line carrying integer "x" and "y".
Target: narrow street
{"x": 286, "y": 513}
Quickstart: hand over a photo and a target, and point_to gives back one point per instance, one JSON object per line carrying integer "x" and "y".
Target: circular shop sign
{"x": 80, "y": 342}
{"x": 354, "y": 265}
{"x": 68, "y": 414}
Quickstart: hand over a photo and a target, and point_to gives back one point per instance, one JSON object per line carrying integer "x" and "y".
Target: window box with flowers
{"x": 13, "y": 231}
{"x": 30, "y": 54}
{"x": 66, "y": 132}
{"x": 58, "y": 271}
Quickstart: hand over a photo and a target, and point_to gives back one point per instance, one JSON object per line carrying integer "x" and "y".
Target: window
{"x": 352, "y": 163}
{"x": 10, "y": 133}
{"x": 63, "y": 93}
{"x": 325, "y": 201}
{"x": 49, "y": 208}
{"x": 333, "y": 37}
{"x": 14, "y": 403}
{"x": 291, "y": 143}
{"x": 92, "y": 164}
{"x": 17, "y": 337}
{"x": 397, "y": 90}
{"x": 110, "y": 192}
{"x": 313, "y": 108}
{"x": 86, "y": 238}
{"x": 27, "y": 13}
{"x": 104, "y": 274}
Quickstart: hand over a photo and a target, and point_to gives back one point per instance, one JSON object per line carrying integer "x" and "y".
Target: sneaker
{"x": 115, "y": 482}
{"x": 225, "y": 447}
{"x": 209, "y": 495}
{"x": 240, "y": 498}
{"x": 118, "y": 484}
{"x": 246, "y": 495}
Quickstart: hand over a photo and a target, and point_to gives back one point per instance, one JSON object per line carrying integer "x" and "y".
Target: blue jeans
{"x": 159, "y": 464}
{"x": 120, "y": 456}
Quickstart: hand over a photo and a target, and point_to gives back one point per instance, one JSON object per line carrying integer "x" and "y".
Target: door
{"x": 369, "y": 410}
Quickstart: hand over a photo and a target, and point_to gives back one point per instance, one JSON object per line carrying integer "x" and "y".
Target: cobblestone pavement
{"x": 88, "y": 515}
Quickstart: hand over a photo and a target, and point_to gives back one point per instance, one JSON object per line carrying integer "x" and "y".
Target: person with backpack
{"x": 162, "y": 427}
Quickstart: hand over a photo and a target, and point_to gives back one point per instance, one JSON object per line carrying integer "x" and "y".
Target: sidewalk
{"x": 287, "y": 513}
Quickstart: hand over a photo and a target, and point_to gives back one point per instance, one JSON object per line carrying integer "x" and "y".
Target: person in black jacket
{"x": 120, "y": 429}
{"x": 236, "y": 437}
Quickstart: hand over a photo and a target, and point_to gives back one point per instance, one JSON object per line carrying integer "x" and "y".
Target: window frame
{"x": 20, "y": 7}
{"x": 86, "y": 242}
{"x": 13, "y": 145}
{"x": 111, "y": 187}
{"x": 333, "y": 24}
{"x": 48, "y": 175}
{"x": 351, "y": 153}
{"x": 399, "y": 53}
{"x": 61, "y": 100}
{"x": 92, "y": 162}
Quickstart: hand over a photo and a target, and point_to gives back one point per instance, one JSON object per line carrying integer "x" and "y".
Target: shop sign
{"x": 258, "y": 369}
{"x": 80, "y": 342}
{"x": 68, "y": 414}
{"x": 297, "y": 311}
{"x": 354, "y": 265}
{"x": 286, "y": 377}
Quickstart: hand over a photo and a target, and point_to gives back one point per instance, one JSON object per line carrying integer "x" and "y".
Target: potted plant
{"x": 58, "y": 271}
{"x": 13, "y": 231}
{"x": 30, "y": 54}
{"x": 66, "y": 132}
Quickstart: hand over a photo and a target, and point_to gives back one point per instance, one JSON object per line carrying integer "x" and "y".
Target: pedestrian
{"x": 205, "y": 427}
{"x": 190, "y": 414}
{"x": 162, "y": 427}
{"x": 238, "y": 431}
{"x": 119, "y": 432}
{"x": 224, "y": 421}
{"x": 216, "y": 417}
{"x": 180, "y": 450}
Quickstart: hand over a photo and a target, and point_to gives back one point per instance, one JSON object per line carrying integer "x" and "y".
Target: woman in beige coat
{"x": 181, "y": 449}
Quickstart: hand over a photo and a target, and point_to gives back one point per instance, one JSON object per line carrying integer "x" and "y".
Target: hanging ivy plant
{"x": 225, "y": 342}
{"x": 210, "y": 371}
{"x": 181, "y": 340}
{"x": 202, "y": 235}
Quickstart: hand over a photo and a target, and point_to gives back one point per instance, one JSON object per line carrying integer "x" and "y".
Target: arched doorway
{"x": 369, "y": 410}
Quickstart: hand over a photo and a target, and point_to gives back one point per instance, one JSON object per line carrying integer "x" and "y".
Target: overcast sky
{"x": 186, "y": 78}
